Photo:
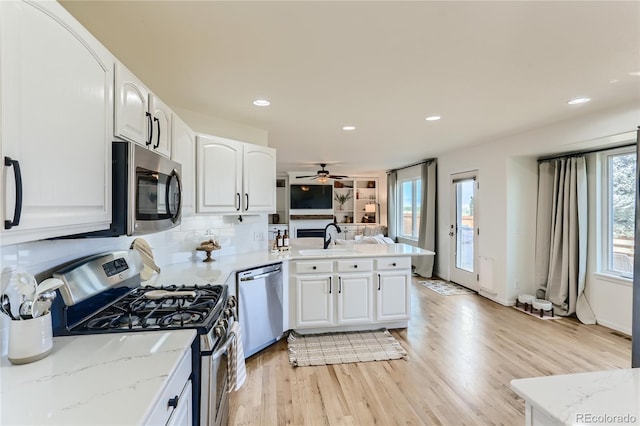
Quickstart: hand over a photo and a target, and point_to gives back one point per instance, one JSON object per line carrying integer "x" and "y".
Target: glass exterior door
{"x": 463, "y": 230}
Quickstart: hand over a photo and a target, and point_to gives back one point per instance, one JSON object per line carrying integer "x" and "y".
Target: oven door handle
{"x": 225, "y": 346}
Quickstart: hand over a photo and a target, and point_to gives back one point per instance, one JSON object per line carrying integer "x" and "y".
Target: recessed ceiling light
{"x": 635, "y": 73}
{"x": 348, "y": 128}
{"x": 577, "y": 101}
{"x": 433, "y": 118}
{"x": 261, "y": 102}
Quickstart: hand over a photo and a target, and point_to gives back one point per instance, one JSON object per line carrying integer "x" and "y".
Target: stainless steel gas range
{"x": 103, "y": 294}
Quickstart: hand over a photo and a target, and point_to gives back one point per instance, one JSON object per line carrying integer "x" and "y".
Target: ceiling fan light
{"x": 322, "y": 179}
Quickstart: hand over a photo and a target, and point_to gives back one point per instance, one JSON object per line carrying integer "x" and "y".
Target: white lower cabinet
{"x": 355, "y": 298}
{"x": 392, "y": 299}
{"x": 174, "y": 405}
{"x": 393, "y": 288}
{"x": 354, "y": 292}
{"x": 314, "y": 301}
{"x": 182, "y": 415}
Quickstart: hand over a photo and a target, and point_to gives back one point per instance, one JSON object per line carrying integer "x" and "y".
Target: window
{"x": 618, "y": 175}
{"x": 409, "y": 214}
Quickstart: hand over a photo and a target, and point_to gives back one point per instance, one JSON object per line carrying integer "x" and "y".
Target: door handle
{"x": 150, "y": 128}
{"x": 237, "y": 201}
{"x": 158, "y": 139}
{"x": 17, "y": 210}
{"x": 246, "y": 198}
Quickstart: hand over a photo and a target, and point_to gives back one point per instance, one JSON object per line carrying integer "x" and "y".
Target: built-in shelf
{"x": 356, "y": 201}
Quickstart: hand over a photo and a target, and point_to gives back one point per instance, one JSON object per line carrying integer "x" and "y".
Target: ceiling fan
{"x": 323, "y": 175}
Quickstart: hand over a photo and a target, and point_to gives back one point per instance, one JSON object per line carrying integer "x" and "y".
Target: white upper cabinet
{"x": 259, "y": 178}
{"x": 234, "y": 177}
{"x": 162, "y": 122}
{"x": 140, "y": 116}
{"x": 132, "y": 118}
{"x": 56, "y": 82}
{"x": 184, "y": 152}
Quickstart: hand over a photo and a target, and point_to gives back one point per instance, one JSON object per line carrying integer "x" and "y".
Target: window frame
{"x": 605, "y": 203}
{"x": 413, "y": 173}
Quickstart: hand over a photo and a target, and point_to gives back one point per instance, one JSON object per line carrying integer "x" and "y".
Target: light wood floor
{"x": 463, "y": 352}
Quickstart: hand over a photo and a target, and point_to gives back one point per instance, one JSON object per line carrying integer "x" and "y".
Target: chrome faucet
{"x": 324, "y": 238}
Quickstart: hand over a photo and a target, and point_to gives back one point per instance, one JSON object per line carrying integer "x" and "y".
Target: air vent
{"x": 280, "y": 183}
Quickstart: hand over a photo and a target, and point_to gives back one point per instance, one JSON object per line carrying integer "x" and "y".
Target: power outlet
{"x": 258, "y": 236}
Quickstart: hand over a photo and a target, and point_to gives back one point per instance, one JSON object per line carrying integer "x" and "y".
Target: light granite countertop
{"x": 109, "y": 379}
{"x": 220, "y": 270}
{"x": 602, "y": 397}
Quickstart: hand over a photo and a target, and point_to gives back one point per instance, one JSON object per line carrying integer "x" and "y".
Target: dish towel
{"x": 237, "y": 368}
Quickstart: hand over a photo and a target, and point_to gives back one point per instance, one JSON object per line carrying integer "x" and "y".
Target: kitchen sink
{"x": 328, "y": 252}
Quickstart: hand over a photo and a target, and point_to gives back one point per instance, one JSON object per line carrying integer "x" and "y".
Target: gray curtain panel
{"x": 561, "y": 236}
{"x": 392, "y": 204}
{"x": 427, "y": 229}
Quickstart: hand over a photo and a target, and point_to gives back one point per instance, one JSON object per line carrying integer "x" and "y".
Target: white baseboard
{"x": 614, "y": 326}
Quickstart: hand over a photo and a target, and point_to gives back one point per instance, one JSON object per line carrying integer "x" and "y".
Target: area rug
{"x": 536, "y": 314}
{"x": 446, "y": 288}
{"x": 342, "y": 348}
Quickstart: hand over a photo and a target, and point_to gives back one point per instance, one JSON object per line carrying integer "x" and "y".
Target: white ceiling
{"x": 490, "y": 69}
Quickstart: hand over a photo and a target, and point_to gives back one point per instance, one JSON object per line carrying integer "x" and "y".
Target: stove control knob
{"x": 228, "y": 312}
{"x": 219, "y": 330}
{"x": 231, "y": 302}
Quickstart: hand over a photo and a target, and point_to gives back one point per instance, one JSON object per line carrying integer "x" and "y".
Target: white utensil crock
{"x": 30, "y": 340}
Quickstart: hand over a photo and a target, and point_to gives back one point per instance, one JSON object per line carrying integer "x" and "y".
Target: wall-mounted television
{"x": 311, "y": 196}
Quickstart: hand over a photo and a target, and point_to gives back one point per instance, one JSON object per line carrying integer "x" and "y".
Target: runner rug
{"x": 342, "y": 348}
{"x": 446, "y": 288}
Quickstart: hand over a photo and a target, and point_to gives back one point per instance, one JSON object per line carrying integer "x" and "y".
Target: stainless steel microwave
{"x": 146, "y": 192}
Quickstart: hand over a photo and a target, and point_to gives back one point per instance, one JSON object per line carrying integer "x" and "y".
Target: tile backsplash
{"x": 40, "y": 258}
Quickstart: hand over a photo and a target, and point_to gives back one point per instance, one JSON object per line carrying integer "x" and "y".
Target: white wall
{"x": 202, "y": 123}
{"x": 507, "y": 198}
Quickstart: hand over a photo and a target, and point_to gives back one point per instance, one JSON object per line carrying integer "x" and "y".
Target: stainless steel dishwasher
{"x": 260, "y": 307}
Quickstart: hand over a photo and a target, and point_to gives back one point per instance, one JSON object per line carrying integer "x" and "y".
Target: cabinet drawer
{"x": 355, "y": 265}
{"x": 175, "y": 384}
{"x": 391, "y": 263}
{"x": 313, "y": 267}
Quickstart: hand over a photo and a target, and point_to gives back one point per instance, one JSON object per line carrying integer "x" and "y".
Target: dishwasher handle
{"x": 260, "y": 276}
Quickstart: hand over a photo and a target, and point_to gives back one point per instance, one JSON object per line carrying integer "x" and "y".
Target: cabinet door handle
{"x": 329, "y": 285}
{"x": 314, "y": 267}
{"x": 237, "y": 201}
{"x": 246, "y": 199}
{"x": 355, "y": 266}
{"x": 379, "y": 279}
{"x": 17, "y": 210}
{"x": 393, "y": 264}
{"x": 158, "y": 138}
{"x": 339, "y": 285}
{"x": 173, "y": 402}
{"x": 150, "y": 128}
